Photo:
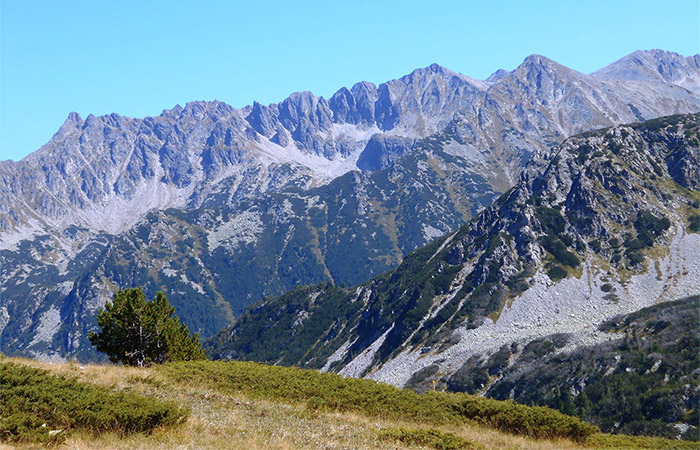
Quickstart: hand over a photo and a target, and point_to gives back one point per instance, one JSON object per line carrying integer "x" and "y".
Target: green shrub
{"x": 694, "y": 223}
{"x": 621, "y": 441}
{"x": 34, "y": 402}
{"x": 551, "y": 220}
{"x": 595, "y": 245}
{"x": 649, "y": 227}
{"x": 427, "y": 437}
{"x": 316, "y": 403}
{"x": 636, "y": 257}
{"x": 557, "y": 248}
{"x": 534, "y": 421}
{"x": 368, "y": 397}
{"x": 634, "y": 244}
{"x": 556, "y": 272}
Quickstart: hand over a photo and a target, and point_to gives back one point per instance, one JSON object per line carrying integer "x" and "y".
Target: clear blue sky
{"x": 137, "y": 58}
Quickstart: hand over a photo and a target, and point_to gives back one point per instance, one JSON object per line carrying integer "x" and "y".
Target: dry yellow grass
{"x": 220, "y": 421}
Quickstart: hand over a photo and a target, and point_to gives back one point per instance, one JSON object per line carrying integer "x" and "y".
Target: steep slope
{"x": 642, "y": 380}
{"x": 220, "y": 206}
{"x": 602, "y": 225}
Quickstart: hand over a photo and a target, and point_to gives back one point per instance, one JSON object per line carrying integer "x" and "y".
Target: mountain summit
{"x": 655, "y": 65}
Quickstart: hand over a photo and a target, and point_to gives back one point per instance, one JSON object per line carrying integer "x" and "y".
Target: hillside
{"x": 247, "y": 405}
{"x": 643, "y": 380}
{"x": 605, "y": 224}
{"x": 222, "y": 206}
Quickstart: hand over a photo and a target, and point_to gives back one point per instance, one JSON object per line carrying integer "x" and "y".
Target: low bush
{"x": 649, "y": 227}
{"x": 556, "y": 272}
{"x": 694, "y": 223}
{"x": 336, "y": 393}
{"x": 636, "y": 257}
{"x": 621, "y": 441}
{"x": 534, "y": 421}
{"x": 551, "y": 220}
{"x": 36, "y": 406}
{"x": 427, "y": 438}
{"x": 559, "y": 250}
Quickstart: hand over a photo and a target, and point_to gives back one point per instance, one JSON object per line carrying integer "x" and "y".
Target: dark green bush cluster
{"x": 595, "y": 245}
{"x": 583, "y": 151}
{"x": 534, "y": 421}
{"x": 551, "y": 220}
{"x": 33, "y": 402}
{"x": 555, "y": 241}
{"x": 694, "y": 223}
{"x": 427, "y": 438}
{"x": 623, "y": 442}
{"x": 648, "y": 228}
{"x": 556, "y": 272}
{"x": 333, "y": 392}
{"x": 558, "y": 249}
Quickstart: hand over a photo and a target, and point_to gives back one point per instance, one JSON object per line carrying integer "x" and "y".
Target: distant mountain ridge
{"x": 200, "y": 195}
{"x": 131, "y": 151}
{"x": 654, "y": 65}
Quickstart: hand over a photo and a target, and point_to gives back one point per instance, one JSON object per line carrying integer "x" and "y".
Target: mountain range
{"x": 603, "y": 225}
{"x": 220, "y": 207}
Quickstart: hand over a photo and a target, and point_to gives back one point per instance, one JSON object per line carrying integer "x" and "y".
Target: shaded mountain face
{"x": 220, "y": 206}
{"x": 604, "y": 224}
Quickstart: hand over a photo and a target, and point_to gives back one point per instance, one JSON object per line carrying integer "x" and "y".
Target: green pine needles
{"x": 137, "y": 332}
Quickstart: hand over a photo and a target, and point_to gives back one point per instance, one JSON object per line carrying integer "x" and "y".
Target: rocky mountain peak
{"x": 354, "y": 105}
{"x": 425, "y": 75}
{"x": 262, "y": 119}
{"x": 538, "y": 65}
{"x": 173, "y": 112}
{"x": 656, "y": 66}
{"x": 497, "y": 75}
{"x": 437, "y": 68}
{"x": 432, "y": 69}
{"x": 73, "y": 117}
{"x": 72, "y": 122}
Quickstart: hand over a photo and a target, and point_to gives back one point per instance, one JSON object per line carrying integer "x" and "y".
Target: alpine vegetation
{"x": 137, "y": 332}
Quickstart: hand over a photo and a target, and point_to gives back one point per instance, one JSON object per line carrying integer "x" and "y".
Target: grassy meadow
{"x": 240, "y": 405}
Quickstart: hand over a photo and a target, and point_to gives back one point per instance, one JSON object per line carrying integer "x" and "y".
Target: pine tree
{"x": 137, "y": 332}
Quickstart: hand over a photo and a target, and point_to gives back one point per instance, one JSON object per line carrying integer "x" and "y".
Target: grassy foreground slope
{"x": 248, "y": 405}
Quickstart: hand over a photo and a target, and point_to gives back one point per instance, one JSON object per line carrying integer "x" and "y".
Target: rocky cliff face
{"x": 604, "y": 224}
{"x": 263, "y": 195}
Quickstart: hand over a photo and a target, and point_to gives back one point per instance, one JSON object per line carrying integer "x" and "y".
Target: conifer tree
{"x": 137, "y": 332}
